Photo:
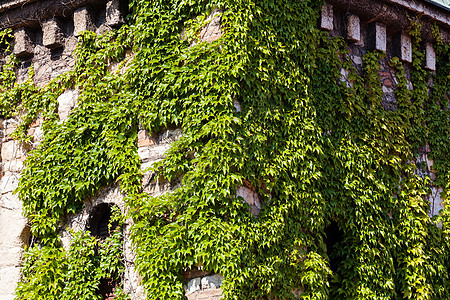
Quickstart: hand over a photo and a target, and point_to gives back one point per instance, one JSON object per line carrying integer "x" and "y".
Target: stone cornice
{"x": 30, "y": 13}
{"x": 394, "y": 15}
{"x": 392, "y": 12}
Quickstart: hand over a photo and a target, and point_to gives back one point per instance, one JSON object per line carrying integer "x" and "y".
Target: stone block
{"x": 380, "y": 36}
{"x": 114, "y": 16}
{"x": 82, "y": 21}
{"x": 38, "y": 135}
{"x": 23, "y": 46}
{"x": 146, "y": 142}
{"x": 376, "y": 38}
{"x": 326, "y": 17}
{"x": 436, "y": 202}
{"x": 10, "y": 256}
{"x": 147, "y": 165}
{"x": 211, "y": 294}
{"x": 66, "y": 102}
{"x": 405, "y": 48}
{"x": 430, "y": 57}
{"x": 237, "y": 105}
{"x": 11, "y": 150}
{"x": 251, "y": 197}
{"x": 153, "y": 152}
{"x": 8, "y": 183}
{"x": 9, "y": 277}
{"x": 42, "y": 70}
{"x": 143, "y": 134}
{"x": 193, "y": 285}
{"x": 212, "y": 282}
{"x": 8, "y": 297}
{"x": 353, "y": 28}
{"x": 10, "y": 200}
{"x": 53, "y": 36}
{"x": 11, "y": 126}
{"x": 144, "y": 139}
{"x": 212, "y": 32}
{"x": 157, "y": 187}
{"x": 357, "y": 60}
{"x": 169, "y": 136}
{"x": 12, "y": 236}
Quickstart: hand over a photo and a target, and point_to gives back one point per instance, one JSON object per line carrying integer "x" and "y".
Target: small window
{"x": 99, "y": 220}
{"x": 98, "y": 226}
{"x": 333, "y": 240}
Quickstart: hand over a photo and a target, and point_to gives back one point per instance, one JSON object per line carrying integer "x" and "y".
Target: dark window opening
{"x": 124, "y": 8}
{"x": 107, "y": 288}
{"x": 333, "y": 240}
{"x": 98, "y": 226}
{"x": 99, "y": 220}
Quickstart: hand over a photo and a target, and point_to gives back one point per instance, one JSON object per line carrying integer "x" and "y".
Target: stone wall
{"x": 384, "y": 25}
{"x": 45, "y": 36}
{"x": 46, "y": 33}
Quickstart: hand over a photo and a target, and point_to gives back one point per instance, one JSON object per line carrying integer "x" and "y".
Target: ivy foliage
{"x": 74, "y": 273}
{"x": 320, "y": 153}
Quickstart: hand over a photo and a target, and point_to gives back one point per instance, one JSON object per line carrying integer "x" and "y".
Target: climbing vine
{"x": 320, "y": 151}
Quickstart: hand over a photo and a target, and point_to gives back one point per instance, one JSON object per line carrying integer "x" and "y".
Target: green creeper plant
{"x": 319, "y": 150}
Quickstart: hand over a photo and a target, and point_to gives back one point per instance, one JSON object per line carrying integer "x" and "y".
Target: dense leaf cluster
{"x": 319, "y": 152}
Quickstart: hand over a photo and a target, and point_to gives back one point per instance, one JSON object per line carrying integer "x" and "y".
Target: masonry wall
{"x": 46, "y": 38}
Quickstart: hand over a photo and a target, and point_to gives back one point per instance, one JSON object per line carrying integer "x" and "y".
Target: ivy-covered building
{"x": 173, "y": 149}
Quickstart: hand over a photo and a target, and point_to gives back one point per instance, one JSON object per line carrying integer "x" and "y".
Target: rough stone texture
{"x": 430, "y": 57}
{"x": 23, "y": 46}
{"x": 11, "y": 150}
{"x": 14, "y": 231}
{"x": 153, "y": 149}
{"x": 212, "y": 282}
{"x": 436, "y": 202}
{"x": 9, "y": 276}
{"x": 50, "y": 63}
{"x": 13, "y": 236}
{"x": 114, "y": 16}
{"x": 237, "y": 105}
{"x": 394, "y": 14}
{"x": 53, "y": 36}
{"x": 251, "y": 197}
{"x": 144, "y": 139}
{"x": 203, "y": 288}
{"x": 389, "y": 85}
{"x": 82, "y": 21}
{"x": 380, "y": 36}
{"x": 405, "y": 48}
{"x": 212, "y": 32}
{"x": 211, "y": 294}
{"x": 353, "y": 28}
{"x": 345, "y": 78}
{"x": 193, "y": 285}
{"x": 66, "y": 102}
{"x": 326, "y": 17}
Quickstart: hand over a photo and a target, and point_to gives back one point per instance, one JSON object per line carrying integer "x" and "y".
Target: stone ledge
{"x": 9, "y": 4}
{"x": 392, "y": 13}
{"x": 28, "y": 13}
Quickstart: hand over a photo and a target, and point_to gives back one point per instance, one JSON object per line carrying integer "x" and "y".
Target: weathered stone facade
{"x": 46, "y": 33}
